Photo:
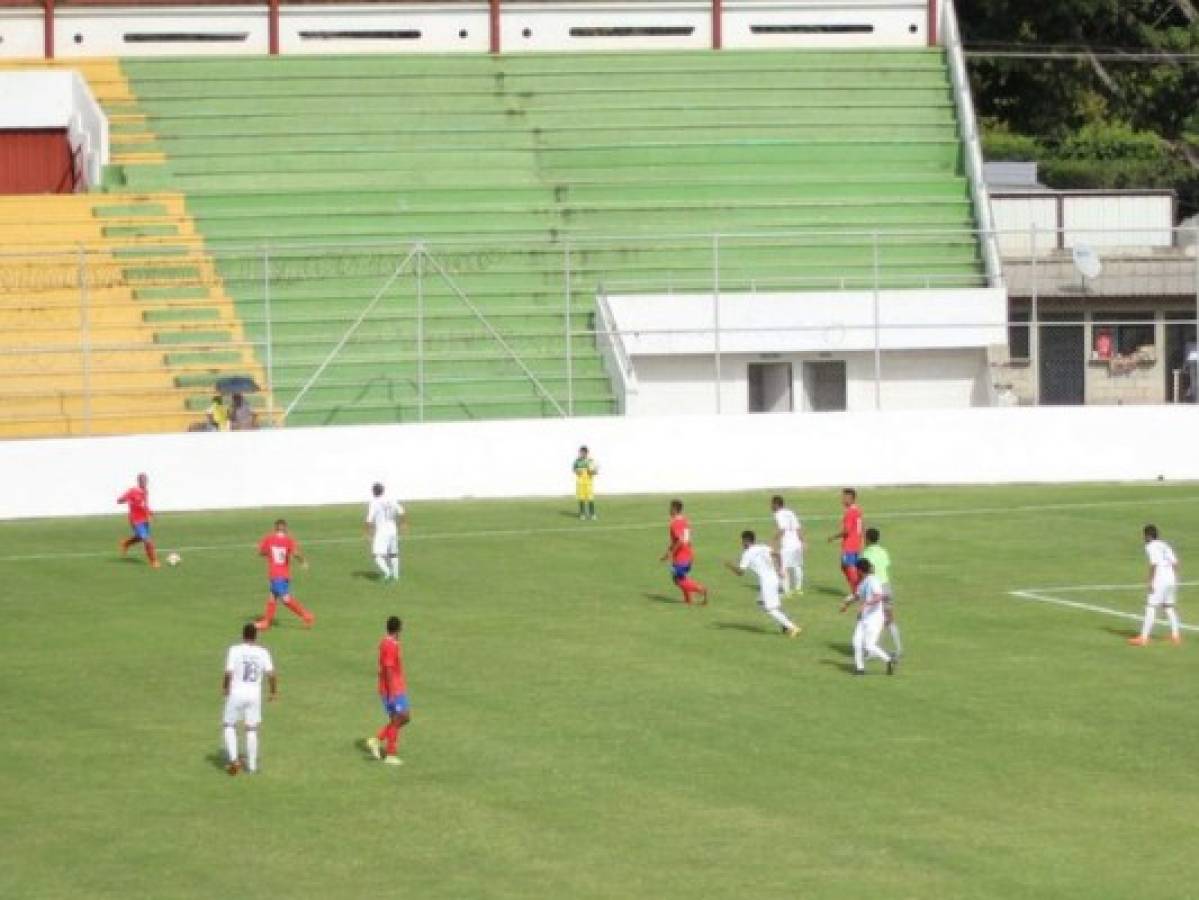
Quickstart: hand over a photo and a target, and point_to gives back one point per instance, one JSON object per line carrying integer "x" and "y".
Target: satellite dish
{"x": 1086, "y": 260}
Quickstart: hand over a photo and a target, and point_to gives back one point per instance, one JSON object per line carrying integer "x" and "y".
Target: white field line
{"x": 634, "y": 526}
{"x": 1090, "y": 607}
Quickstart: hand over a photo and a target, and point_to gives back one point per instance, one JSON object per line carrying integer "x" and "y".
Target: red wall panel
{"x": 35, "y": 161}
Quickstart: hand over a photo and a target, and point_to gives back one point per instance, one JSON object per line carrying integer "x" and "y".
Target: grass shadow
{"x": 364, "y": 751}
{"x": 748, "y": 629}
{"x": 826, "y": 590}
{"x": 846, "y": 667}
{"x": 216, "y": 759}
{"x": 662, "y": 598}
{"x": 367, "y": 575}
{"x": 843, "y": 649}
{"x": 1125, "y": 633}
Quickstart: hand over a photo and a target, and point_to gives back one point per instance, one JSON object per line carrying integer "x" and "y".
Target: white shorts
{"x": 868, "y": 630}
{"x": 385, "y": 543}
{"x": 243, "y": 709}
{"x": 792, "y": 557}
{"x": 1163, "y": 595}
{"x": 768, "y": 594}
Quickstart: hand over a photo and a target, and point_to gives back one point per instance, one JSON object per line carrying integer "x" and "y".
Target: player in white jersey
{"x": 246, "y": 665}
{"x": 869, "y": 592}
{"x": 763, "y": 562}
{"x": 384, "y": 518}
{"x": 788, "y": 543}
{"x": 1163, "y": 586}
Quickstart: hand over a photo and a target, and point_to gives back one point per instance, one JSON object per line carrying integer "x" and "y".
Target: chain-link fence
{"x": 296, "y": 335}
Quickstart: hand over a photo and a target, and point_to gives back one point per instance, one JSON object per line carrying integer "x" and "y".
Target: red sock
{"x": 298, "y": 608}
{"x": 268, "y": 616}
{"x": 691, "y": 586}
{"x": 384, "y": 732}
{"x": 393, "y": 738}
{"x": 151, "y": 553}
{"x": 682, "y": 587}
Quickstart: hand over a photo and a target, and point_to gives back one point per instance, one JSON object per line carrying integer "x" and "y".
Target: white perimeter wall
{"x": 532, "y": 458}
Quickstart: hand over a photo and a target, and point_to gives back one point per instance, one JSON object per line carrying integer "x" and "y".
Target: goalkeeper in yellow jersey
{"x": 585, "y": 471}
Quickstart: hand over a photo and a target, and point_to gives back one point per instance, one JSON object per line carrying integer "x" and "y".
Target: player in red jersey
{"x": 681, "y": 555}
{"x": 280, "y": 548}
{"x": 393, "y": 691}
{"x": 850, "y": 537}
{"x": 138, "y": 499}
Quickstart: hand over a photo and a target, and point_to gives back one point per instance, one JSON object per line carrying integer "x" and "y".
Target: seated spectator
{"x": 241, "y": 415}
{"x": 217, "y": 415}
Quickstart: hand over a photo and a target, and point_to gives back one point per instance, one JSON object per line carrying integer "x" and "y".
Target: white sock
{"x": 878, "y": 652}
{"x": 779, "y": 616}
{"x": 798, "y": 578}
{"x": 395, "y": 567}
{"x": 859, "y": 659}
{"x": 381, "y": 562}
{"x": 252, "y": 748}
{"x": 1172, "y": 615}
{"x": 231, "y": 743}
{"x": 1150, "y": 618}
{"x": 894, "y": 627}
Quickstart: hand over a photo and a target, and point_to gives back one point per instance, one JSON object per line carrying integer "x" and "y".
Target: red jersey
{"x": 139, "y": 505}
{"x": 851, "y": 526}
{"x": 680, "y": 537}
{"x": 278, "y": 550}
{"x": 391, "y": 668}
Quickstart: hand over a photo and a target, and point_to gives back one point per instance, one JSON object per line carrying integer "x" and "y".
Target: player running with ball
{"x": 138, "y": 499}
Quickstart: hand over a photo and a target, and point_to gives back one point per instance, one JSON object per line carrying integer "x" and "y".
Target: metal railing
{"x": 403, "y": 331}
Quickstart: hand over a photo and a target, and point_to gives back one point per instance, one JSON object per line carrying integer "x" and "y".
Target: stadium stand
{"x": 530, "y": 181}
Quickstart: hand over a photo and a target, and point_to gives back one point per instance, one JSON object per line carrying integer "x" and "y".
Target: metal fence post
{"x": 270, "y": 341}
{"x": 420, "y": 333}
{"x": 570, "y": 374}
{"x": 878, "y": 350}
{"x": 85, "y": 337}
{"x": 716, "y": 316}
{"x": 1034, "y": 317}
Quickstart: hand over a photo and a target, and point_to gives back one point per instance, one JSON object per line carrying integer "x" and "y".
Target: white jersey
{"x": 383, "y": 514}
{"x": 788, "y": 523}
{"x": 870, "y": 592}
{"x": 1161, "y": 557}
{"x": 248, "y": 665}
{"x": 759, "y": 560}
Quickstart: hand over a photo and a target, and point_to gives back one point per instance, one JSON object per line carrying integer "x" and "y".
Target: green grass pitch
{"x": 578, "y": 733}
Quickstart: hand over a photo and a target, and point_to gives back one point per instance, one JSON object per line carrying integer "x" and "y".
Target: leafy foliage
{"x": 1101, "y": 91}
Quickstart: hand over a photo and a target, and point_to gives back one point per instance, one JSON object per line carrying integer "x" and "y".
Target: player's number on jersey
{"x": 279, "y": 555}
{"x": 249, "y": 670}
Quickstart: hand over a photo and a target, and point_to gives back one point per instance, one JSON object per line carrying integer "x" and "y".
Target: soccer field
{"x": 579, "y": 733}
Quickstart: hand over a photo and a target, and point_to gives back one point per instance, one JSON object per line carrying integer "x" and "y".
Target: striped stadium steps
{"x": 98, "y": 295}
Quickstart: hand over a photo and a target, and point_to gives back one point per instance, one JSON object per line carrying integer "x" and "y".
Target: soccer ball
{"x": 173, "y": 559}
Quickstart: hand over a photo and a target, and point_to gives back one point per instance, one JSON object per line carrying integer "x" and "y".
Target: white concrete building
{"x": 805, "y": 351}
